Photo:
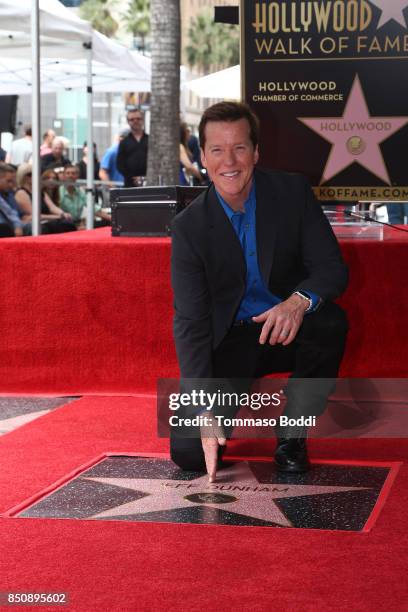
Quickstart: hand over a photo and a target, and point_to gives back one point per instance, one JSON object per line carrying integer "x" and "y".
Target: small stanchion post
{"x": 90, "y": 199}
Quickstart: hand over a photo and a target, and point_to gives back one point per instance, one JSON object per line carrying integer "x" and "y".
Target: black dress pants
{"x": 315, "y": 353}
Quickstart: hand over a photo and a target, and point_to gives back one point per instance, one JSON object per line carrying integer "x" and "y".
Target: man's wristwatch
{"x": 305, "y": 297}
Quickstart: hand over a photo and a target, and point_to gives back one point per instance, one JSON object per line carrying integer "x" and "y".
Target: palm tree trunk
{"x": 163, "y": 156}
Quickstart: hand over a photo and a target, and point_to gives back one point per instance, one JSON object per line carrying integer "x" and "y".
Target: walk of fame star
{"x": 356, "y": 136}
{"x": 237, "y": 491}
{"x": 11, "y": 423}
{"x": 391, "y": 9}
{"x": 18, "y": 411}
{"x": 247, "y": 493}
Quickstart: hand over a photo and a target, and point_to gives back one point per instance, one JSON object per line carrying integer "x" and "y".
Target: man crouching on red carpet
{"x": 255, "y": 265}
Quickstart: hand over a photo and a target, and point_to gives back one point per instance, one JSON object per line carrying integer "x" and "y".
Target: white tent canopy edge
{"x": 224, "y": 84}
{"x": 69, "y": 74}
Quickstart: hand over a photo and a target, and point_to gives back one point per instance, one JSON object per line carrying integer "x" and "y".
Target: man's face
{"x": 7, "y": 181}
{"x": 230, "y": 157}
{"x": 70, "y": 174}
{"x": 135, "y": 120}
{"x": 57, "y": 148}
{"x": 50, "y": 136}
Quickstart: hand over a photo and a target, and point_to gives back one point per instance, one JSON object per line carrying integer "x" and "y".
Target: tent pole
{"x": 90, "y": 206}
{"x": 35, "y": 117}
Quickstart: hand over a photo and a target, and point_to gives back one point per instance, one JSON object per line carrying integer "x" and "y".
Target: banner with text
{"x": 328, "y": 81}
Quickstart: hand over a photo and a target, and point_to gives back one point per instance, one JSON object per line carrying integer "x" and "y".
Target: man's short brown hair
{"x": 6, "y": 168}
{"x": 229, "y": 111}
{"x": 134, "y": 109}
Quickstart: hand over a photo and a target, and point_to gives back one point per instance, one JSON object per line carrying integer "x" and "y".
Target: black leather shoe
{"x": 291, "y": 455}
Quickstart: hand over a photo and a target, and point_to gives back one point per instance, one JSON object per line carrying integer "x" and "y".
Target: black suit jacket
{"x": 296, "y": 250}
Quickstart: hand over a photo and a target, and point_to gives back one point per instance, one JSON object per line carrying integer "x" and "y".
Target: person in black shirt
{"x": 132, "y": 153}
{"x": 56, "y": 159}
{"x": 82, "y": 165}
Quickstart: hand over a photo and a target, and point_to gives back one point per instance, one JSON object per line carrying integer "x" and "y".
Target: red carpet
{"x": 87, "y": 313}
{"x": 116, "y": 566}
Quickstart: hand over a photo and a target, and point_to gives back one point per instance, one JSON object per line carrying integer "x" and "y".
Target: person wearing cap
{"x": 109, "y": 170}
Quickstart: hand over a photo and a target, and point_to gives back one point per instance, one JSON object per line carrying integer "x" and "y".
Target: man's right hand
{"x": 212, "y": 435}
{"x": 282, "y": 322}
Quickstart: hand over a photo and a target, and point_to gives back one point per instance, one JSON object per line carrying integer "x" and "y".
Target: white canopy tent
{"x": 69, "y": 74}
{"x": 225, "y": 84}
{"x": 63, "y": 37}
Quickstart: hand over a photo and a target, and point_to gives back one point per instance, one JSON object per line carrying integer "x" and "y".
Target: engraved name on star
{"x": 356, "y": 136}
{"x": 391, "y": 9}
{"x": 237, "y": 491}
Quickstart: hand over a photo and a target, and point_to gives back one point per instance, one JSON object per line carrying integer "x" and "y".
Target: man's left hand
{"x": 281, "y": 323}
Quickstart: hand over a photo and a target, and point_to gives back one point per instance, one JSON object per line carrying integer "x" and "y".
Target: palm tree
{"x": 212, "y": 43}
{"x": 164, "y": 151}
{"x": 138, "y": 20}
{"x": 201, "y": 52}
{"x": 98, "y": 14}
{"x": 228, "y": 45}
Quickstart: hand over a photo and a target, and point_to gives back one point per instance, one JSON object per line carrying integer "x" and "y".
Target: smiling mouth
{"x": 230, "y": 175}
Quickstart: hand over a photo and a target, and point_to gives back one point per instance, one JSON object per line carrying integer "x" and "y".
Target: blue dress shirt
{"x": 257, "y": 298}
{"x": 10, "y": 215}
{"x": 108, "y": 163}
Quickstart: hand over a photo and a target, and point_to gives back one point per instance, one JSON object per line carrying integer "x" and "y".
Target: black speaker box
{"x": 8, "y": 109}
{"x": 148, "y": 211}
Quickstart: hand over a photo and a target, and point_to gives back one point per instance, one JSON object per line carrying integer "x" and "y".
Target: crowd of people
{"x": 63, "y": 199}
{"x": 131, "y": 154}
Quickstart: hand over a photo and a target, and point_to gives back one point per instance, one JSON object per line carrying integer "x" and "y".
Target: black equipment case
{"x": 148, "y": 211}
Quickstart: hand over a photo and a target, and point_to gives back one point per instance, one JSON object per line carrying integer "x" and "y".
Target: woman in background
{"x": 53, "y": 219}
{"x": 50, "y": 183}
{"x": 82, "y": 165}
{"x": 187, "y": 167}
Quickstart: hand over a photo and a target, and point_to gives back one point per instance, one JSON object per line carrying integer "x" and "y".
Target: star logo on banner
{"x": 356, "y": 136}
{"x": 238, "y": 491}
{"x": 391, "y": 9}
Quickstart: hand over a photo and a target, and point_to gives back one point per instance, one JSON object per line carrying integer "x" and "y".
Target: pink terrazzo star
{"x": 355, "y": 136}
{"x": 243, "y": 494}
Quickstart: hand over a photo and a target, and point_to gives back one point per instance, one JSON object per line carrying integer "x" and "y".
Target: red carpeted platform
{"x": 87, "y": 313}
{"x": 122, "y": 567}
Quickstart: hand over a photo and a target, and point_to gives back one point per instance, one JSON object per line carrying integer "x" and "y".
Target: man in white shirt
{"x": 21, "y": 149}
